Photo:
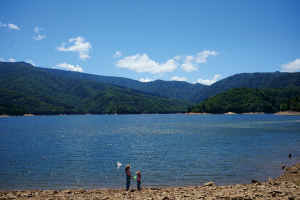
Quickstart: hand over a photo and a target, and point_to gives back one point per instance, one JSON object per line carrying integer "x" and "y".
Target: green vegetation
{"x": 169, "y": 89}
{"x": 291, "y": 104}
{"x": 243, "y": 100}
{"x": 26, "y": 89}
{"x": 250, "y": 80}
{"x": 193, "y": 92}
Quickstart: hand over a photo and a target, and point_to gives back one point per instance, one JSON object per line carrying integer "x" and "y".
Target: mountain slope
{"x": 170, "y": 89}
{"x": 243, "y": 100}
{"x": 250, "y": 80}
{"x": 193, "y": 92}
{"x": 26, "y": 89}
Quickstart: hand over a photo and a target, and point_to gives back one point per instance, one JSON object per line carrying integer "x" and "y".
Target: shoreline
{"x": 286, "y": 186}
{"x": 283, "y": 113}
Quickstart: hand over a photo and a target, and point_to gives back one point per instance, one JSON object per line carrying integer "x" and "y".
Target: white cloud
{"x": 146, "y": 80}
{"x": 68, "y": 67}
{"x": 160, "y": 75}
{"x": 12, "y": 26}
{"x": 1, "y": 59}
{"x": 177, "y": 57}
{"x": 188, "y": 64}
{"x": 118, "y": 54}
{"x": 201, "y": 57}
{"x": 12, "y": 60}
{"x": 291, "y": 66}
{"x": 39, "y": 37}
{"x": 79, "y": 46}
{"x": 37, "y": 29}
{"x": 30, "y": 62}
{"x": 142, "y": 63}
{"x": 176, "y": 78}
{"x": 4, "y": 25}
{"x": 209, "y": 82}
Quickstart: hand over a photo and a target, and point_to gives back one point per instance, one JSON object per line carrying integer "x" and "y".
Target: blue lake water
{"x": 58, "y": 152}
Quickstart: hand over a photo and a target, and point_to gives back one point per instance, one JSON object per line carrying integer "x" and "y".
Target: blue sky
{"x": 195, "y": 41}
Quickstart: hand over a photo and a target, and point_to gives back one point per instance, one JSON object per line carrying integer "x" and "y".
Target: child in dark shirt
{"x": 138, "y": 173}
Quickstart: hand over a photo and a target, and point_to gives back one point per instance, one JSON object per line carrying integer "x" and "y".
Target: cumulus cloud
{"x": 2, "y": 25}
{"x": 37, "y": 29}
{"x": 209, "y": 82}
{"x": 77, "y": 45}
{"x": 12, "y": 26}
{"x": 146, "y": 80}
{"x": 118, "y": 54}
{"x": 188, "y": 64}
{"x": 68, "y": 67}
{"x": 30, "y": 62}
{"x": 176, "y": 78}
{"x": 12, "y": 60}
{"x": 202, "y": 56}
{"x": 39, "y": 37}
{"x": 142, "y": 63}
{"x": 291, "y": 66}
{"x": 1, "y": 59}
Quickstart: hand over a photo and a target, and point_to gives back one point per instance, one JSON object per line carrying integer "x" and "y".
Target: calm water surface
{"x": 57, "y": 152}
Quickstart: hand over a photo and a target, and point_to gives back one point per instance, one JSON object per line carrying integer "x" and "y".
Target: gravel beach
{"x": 287, "y": 186}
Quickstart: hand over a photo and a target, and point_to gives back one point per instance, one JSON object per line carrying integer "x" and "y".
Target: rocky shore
{"x": 287, "y": 186}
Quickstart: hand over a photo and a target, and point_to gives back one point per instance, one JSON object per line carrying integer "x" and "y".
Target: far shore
{"x": 191, "y": 113}
{"x": 287, "y": 186}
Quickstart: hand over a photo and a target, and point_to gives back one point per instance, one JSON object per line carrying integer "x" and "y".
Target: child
{"x": 128, "y": 176}
{"x": 138, "y": 183}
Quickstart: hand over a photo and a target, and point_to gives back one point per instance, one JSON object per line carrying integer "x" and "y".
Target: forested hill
{"x": 251, "y": 80}
{"x": 27, "y": 89}
{"x": 170, "y": 89}
{"x": 193, "y": 92}
{"x": 245, "y": 100}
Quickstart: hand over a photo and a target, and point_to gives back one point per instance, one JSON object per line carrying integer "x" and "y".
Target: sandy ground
{"x": 287, "y": 113}
{"x": 287, "y": 186}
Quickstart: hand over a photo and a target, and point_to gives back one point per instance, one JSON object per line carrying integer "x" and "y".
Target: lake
{"x": 60, "y": 152}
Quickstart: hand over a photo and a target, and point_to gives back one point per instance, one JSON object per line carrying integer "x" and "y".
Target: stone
{"x": 209, "y": 184}
{"x": 273, "y": 194}
{"x": 67, "y": 191}
{"x": 254, "y": 181}
{"x": 11, "y": 196}
{"x": 270, "y": 181}
{"x": 237, "y": 198}
{"x": 156, "y": 188}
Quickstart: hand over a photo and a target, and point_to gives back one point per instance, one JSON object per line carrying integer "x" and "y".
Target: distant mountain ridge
{"x": 170, "y": 89}
{"x": 27, "y": 89}
{"x": 194, "y": 93}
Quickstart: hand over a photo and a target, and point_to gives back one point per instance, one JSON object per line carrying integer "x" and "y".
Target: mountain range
{"x": 194, "y": 93}
{"x": 28, "y": 89}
